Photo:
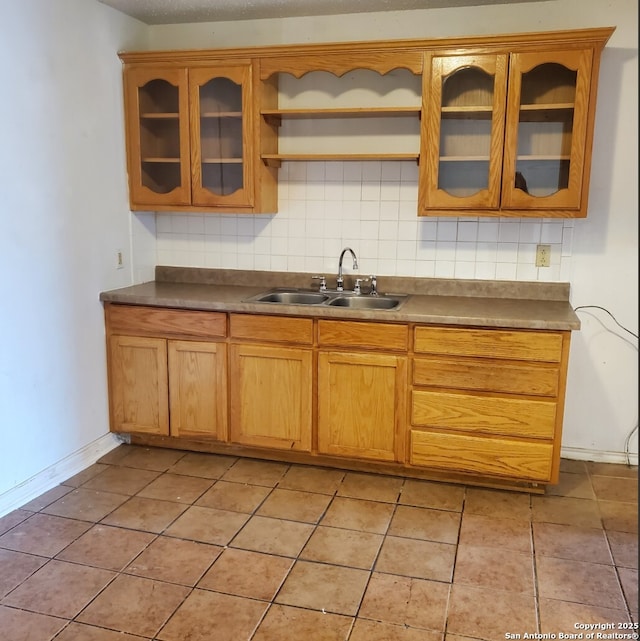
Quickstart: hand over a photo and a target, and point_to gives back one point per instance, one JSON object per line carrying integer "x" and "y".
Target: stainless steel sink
{"x": 292, "y": 298}
{"x": 366, "y": 302}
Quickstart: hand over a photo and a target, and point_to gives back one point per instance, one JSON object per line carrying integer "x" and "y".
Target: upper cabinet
{"x": 191, "y": 139}
{"x": 508, "y": 134}
{"x": 499, "y": 125}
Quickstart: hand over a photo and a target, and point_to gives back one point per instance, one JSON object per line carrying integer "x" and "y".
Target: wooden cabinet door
{"x": 361, "y": 405}
{"x": 271, "y": 396}
{"x": 157, "y": 123}
{"x": 545, "y": 159}
{"x": 463, "y": 132}
{"x": 139, "y": 385}
{"x": 221, "y": 139}
{"x": 198, "y": 389}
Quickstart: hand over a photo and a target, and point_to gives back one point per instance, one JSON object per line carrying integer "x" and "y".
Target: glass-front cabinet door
{"x": 158, "y": 136}
{"x": 220, "y": 135}
{"x": 546, "y": 127}
{"x": 463, "y": 132}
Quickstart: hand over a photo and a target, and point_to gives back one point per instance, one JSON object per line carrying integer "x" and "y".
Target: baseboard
{"x": 56, "y": 473}
{"x": 580, "y": 454}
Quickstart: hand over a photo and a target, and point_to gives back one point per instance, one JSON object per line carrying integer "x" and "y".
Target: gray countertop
{"x": 510, "y": 304}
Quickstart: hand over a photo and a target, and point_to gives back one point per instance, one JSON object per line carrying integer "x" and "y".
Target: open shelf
{"x": 275, "y": 160}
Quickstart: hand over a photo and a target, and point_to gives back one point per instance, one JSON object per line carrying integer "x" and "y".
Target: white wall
{"x": 63, "y": 212}
{"x": 371, "y": 206}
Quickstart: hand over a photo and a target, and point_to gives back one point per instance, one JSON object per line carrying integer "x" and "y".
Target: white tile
{"x": 464, "y": 269}
{"x": 509, "y": 232}
{"x": 371, "y": 191}
{"x": 447, "y": 230}
{"x": 468, "y": 231}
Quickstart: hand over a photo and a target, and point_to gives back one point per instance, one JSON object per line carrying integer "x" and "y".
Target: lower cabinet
{"x": 271, "y": 384}
{"x": 361, "y": 401}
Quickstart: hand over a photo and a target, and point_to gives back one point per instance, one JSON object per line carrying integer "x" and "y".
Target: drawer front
{"x": 484, "y": 414}
{"x": 141, "y": 320}
{"x": 498, "y": 343}
{"x": 495, "y": 376}
{"x": 362, "y": 334}
{"x": 278, "y": 329}
{"x": 482, "y": 455}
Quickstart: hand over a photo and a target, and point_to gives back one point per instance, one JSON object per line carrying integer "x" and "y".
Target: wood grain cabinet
{"x": 488, "y": 402}
{"x": 190, "y": 137}
{"x": 271, "y": 381}
{"x": 167, "y": 386}
{"x": 508, "y": 133}
{"x": 361, "y": 389}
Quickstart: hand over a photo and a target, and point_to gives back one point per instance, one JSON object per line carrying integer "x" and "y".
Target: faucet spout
{"x": 340, "y": 279}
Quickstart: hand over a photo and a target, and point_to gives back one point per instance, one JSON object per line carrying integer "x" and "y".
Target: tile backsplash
{"x": 369, "y": 206}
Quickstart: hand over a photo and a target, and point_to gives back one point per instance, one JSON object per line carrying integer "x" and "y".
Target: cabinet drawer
{"x": 278, "y": 329}
{"x": 482, "y": 455}
{"x": 493, "y": 376}
{"x": 362, "y": 334}
{"x": 140, "y": 320}
{"x": 484, "y": 414}
{"x": 490, "y": 343}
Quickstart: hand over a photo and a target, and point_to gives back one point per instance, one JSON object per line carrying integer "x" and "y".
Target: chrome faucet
{"x": 340, "y": 279}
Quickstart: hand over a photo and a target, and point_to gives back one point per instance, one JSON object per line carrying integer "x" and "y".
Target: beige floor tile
{"x": 573, "y": 466}
{"x": 249, "y": 574}
{"x": 295, "y": 505}
{"x": 343, "y": 547}
{"x": 405, "y": 601}
{"x": 365, "y": 630}
{"x": 561, "y": 616}
{"x": 494, "y": 569}
{"x": 209, "y": 616}
{"x": 110, "y": 548}
{"x": 207, "y": 525}
{"x": 116, "y": 455}
{"x": 577, "y": 486}
{"x": 83, "y": 632}
{"x": 439, "y": 496}
{"x": 43, "y": 534}
{"x": 311, "y": 479}
{"x": 419, "y": 559}
{"x": 256, "y": 472}
{"x": 327, "y": 588}
{"x": 356, "y": 514}
{"x": 87, "y": 474}
{"x": 15, "y": 568}
{"x": 59, "y": 589}
{"x": 629, "y": 582}
{"x": 504, "y": 534}
{"x": 273, "y": 536}
{"x": 148, "y": 515}
{"x": 610, "y": 488}
{"x": 565, "y": 511}
{"x": 426, "y": 524}
{"x": 497, "y": 504}
{"x": 207, "y": 466}
{"x": 371, "y": 487}
{"x": 613, "y": 469}
{"x": 176, "y": 487}
{"x": 571, "y": 542}
{"x": 283, "y": 623}
{"x": 134, "y": 605}
{"x": 47, "y": 498}
{"x": 236, "y": 497}
{"x": 174, "y": 560}
{"x": 18, "y": 625}
{"x": 579, "y": 582}
{"x": 624, "y": 547}
{"x": 12, "y": 519}
{"x": 85, "y": 505}
{"x": 622, "y": 517}
{"x": 480, "y": 613}
{"x": 121, "y": 480}
{"x": 152, "y": 458}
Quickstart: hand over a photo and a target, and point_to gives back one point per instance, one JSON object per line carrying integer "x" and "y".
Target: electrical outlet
{"x": 119, "y": 259}
{"x": 543, "y": 256}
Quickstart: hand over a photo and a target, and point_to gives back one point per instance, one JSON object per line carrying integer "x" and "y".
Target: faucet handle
{"x": 323, "y": 282}
{"x": 374, "y": 285}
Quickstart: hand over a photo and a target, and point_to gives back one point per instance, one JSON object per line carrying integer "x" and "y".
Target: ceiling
{"x": 154, "y": 12}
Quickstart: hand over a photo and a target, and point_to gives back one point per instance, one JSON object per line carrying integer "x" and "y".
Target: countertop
{"x": 480, "y": 303}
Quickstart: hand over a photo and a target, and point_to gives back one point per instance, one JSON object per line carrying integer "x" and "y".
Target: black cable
{"x": 627, "y": 441}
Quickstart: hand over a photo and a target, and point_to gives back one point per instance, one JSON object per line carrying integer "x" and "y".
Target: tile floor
{"x": 177, "y": 546}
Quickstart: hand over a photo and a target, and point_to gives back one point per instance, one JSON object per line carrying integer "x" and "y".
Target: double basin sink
{"x": 330, "y": 299}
